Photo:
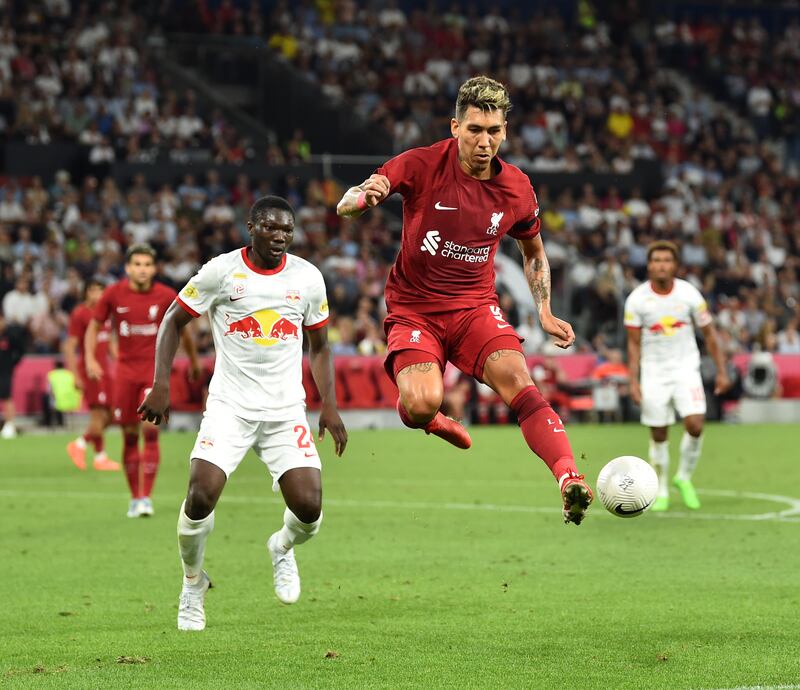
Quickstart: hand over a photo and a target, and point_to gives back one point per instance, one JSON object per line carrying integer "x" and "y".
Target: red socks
{"x": 96, "y": 440}
{"x": 132, "y": 462}
{"x": 152, "y": 458}
{"x": 543, "y": 431}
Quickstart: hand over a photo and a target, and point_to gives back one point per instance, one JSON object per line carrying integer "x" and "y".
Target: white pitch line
{"x": 793, "y": 686}
{"x": 790, "y": 514}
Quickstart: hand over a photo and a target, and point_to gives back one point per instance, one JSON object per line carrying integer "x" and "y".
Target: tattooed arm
{"x": 358, "y": 199}
{"x": 537, "y": 272}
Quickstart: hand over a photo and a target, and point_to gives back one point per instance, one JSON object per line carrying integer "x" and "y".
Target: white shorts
{"x": 663, "y": 394}
{"x": 224, "y": 439}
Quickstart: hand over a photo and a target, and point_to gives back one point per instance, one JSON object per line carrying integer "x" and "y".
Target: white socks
{"x": 294, "y": 531}
{"x": 81, "y": 442}
{"x": 691, "y": 447}
{"x": 192, "y": 535}
{"x": 659, "y": 458}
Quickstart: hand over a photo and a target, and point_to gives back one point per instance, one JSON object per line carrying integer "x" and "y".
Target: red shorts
{"x": 96, "y": 393}
{"x": 465, "y": 337}
{"x": 128, "y": 395}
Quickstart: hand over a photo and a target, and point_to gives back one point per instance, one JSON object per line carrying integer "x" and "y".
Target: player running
{"x": 459, "y": 200}
{"x": 660, "y": 317}
{"x": 96, "y": 392}
{"x": 259, "y": 300}
{"x": 136, "y": 305}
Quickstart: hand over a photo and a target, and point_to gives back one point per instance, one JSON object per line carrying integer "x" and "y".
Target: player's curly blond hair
{"x": 483, "y": 93}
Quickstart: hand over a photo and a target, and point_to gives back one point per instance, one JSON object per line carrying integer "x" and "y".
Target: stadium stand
{"x": 594, "y": 95}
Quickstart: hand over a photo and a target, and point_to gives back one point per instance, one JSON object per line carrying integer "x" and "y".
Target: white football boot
{"x": 146, "y": 507}
{"x": 191, "y": 605}
{"x": 284, "y": 569}
{"x": 134, "y": 508}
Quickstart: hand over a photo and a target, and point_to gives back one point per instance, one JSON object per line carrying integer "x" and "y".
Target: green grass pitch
{"x": 434, "y": 568}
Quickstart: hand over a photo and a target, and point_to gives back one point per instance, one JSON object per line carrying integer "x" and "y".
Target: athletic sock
{"x": 152, "y": 458}
{"x": 659, "y": 458}
{"x": 82, "y": 440}
{"x": 132, "y": 460}
{"x": 99, "y": 445}
{"x": 295, "y": 531}
{"x": 691, "y": 446}
{"x": 543, "y": 431}
{"x": 192, "y": 536}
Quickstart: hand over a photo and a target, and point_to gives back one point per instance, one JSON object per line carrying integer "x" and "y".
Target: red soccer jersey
{"x": 136, "y": 317}
{"x": 452, "y": 224}
{"x": 78, "y": 323}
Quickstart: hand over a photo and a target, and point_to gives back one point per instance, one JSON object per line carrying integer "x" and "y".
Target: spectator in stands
{"x": 788, "y": 340}
{"x": 20, "y": 306}
{"x": 12, "y": 347}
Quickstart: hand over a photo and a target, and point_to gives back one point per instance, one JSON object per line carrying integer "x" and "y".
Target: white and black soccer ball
{"x": 627, "y": 486}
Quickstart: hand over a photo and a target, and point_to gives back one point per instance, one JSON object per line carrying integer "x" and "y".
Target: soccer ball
{"x": 627, "y": 486}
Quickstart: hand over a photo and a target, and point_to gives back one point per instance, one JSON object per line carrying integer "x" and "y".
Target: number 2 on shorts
{"x": 304, "y": 440}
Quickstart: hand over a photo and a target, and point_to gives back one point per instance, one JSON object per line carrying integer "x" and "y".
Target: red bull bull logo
{"x": 248, "y": 327}
{"x": 668, "y": 325}
{"x": 265, "y": 327}
{"x": 283, "y": 329}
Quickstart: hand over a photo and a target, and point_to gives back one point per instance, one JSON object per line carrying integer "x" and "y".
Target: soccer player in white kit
{"x": 660, "y": 317}
{"x": 260, "y": 301}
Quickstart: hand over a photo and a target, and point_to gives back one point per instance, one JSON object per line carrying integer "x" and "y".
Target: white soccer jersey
{"x": 666, "y": 321}
{"x": 257, "y": 320}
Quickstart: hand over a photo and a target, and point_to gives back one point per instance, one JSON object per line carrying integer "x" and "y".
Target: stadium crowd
{"x": 83, "y": 74}
{"x": 730, "y": 199}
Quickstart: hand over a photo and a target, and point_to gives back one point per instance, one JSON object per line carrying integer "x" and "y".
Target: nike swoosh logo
{"x": 506, "y": 325}
{"x": 122, "y": 310}
{"x": 619, "y": 510}
{"x": 236, "y": 299}
{"x": 438, "y": 206}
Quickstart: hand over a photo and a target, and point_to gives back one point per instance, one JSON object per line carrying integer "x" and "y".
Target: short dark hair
{"x": 267, "y": 202}
{"x": 91, "y": 282}
{"x": 483, "y": 93}
{"x": 662, "y": 246}
{"x": 141, "y": 248}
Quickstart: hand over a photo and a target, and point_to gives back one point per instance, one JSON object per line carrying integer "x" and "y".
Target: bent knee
{"x": 307, "y": 506}
{"x": 200, "y": 501}
{"x": 423, "y": 405}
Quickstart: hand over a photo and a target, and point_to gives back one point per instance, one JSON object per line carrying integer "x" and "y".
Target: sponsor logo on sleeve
{"x": 190, "y": 292}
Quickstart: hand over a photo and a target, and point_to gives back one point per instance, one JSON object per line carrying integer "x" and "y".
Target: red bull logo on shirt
{"x": 667, "y": 325}
{"x": 265, "y": 327}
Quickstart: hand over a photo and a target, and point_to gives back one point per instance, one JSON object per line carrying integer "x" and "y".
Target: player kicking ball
{"x": 660, "y": 318}
{"x": 259, "y": 300}
{"x": 459, "y": 200}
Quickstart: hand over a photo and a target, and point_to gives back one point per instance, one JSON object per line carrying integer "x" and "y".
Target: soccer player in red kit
{"x": 136, "y": 305}
{"x": 459, "y": 200}
{"x": 96, "y": 392}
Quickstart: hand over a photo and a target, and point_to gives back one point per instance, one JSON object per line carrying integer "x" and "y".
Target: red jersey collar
{"x": 262, "y": 271}
{"x": 662, "y": 294}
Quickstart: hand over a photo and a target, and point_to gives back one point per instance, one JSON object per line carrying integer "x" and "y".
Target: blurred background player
{"x": 96, "y": 392}
{"x": 259, "y": 301}
{"x": 459, "y": 200}
{"x": 136, "y": 305}
{"x": 12, "y": 347}
{"x": 660, "y": 317}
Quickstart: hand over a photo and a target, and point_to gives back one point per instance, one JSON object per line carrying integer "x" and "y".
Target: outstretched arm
{"x": 723, "y": 382}
{"x": 369, "y": 193}
{"x": 537, "y": 272}
{"x": 324, "y": 376}
{"x": 155, "y": 406}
